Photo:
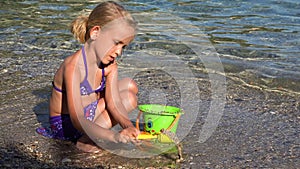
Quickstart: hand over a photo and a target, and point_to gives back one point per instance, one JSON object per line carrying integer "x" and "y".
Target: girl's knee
{"x": 131, "y": 85}
{"x": 133, "y": 99}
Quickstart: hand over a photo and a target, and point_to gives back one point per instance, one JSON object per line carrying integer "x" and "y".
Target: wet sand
{"x": 259, "y": 129}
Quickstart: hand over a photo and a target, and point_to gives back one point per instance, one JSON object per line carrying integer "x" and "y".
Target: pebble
{"x": 51, "y": 162}
{"x": 66, "y": 160}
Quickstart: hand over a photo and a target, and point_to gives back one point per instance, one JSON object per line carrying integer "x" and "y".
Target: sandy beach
{"x": 259, "y": 129}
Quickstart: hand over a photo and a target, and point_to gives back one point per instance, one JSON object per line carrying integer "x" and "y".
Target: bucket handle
{"x": 174, "y": 121}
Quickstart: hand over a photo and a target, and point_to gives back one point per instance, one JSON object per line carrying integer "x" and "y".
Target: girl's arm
{"x": 75, "y": 107}
{"x": 113, "y": 98}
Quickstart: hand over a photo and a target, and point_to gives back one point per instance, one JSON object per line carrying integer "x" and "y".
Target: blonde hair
{"x": 101, "y": 15}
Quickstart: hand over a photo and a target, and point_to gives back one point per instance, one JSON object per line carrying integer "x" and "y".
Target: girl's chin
{"x": 107, "y": 62}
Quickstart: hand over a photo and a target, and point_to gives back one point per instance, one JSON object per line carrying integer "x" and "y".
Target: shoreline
{"x": 258, "y": 129}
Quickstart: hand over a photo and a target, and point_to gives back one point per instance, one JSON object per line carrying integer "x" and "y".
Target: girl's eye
{"x": 124, "y": 46}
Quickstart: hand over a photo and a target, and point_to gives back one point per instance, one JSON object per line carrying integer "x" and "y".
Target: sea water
{"x": 257, "y": 40}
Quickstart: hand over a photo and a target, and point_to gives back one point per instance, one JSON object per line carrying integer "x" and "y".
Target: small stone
{"x": 238, "y": 100}
{"x": 51, "y": 162}
{"x": 53, "y": 46}
{"x": 179, "y": 160}
{"x": 66, "y": 160}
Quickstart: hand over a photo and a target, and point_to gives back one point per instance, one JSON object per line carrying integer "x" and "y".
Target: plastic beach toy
{"x": 158, "y": 118}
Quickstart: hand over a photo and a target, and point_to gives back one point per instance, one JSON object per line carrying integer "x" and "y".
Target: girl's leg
{"x": 128, "y": 90}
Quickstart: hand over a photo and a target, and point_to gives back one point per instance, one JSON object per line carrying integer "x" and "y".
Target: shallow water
{"x": 260, "y": 39}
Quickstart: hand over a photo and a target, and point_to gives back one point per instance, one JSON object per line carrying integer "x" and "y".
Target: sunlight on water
{"x": 260, "y": 37}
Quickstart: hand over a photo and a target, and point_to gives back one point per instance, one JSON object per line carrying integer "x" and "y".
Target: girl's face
{"x": 111, "y": 40}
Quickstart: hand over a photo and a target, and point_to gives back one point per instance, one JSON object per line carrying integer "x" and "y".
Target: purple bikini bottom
{"x": 61, "y": 127}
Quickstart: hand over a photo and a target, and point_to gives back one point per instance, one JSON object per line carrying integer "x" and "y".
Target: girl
{"x": 87, "y": 97}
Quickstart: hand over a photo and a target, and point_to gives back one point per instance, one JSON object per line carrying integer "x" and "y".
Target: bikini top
{"x": 85, "y": 87}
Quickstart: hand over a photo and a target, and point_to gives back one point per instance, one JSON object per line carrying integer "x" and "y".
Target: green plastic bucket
{"x": 157, "y": 117}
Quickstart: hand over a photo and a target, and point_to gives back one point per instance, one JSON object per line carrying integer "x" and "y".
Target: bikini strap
{"x": 57, "y": 89}
{"x": 85, "y": 63}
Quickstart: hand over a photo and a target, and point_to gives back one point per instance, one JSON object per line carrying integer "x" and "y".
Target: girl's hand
{"x": 120, "y": 138}
{"x": 127, "y": 135}
{"x": 130, "y": 132}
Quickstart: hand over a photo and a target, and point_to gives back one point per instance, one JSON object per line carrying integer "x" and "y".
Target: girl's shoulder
{"x": 69, "y": 64}
{"x": 72, "y": 59}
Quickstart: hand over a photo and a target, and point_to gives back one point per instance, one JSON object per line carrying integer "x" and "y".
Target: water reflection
{"x": 264, "y": 31}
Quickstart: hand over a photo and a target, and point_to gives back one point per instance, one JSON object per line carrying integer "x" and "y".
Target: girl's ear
{"x": 94, "y": 32}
